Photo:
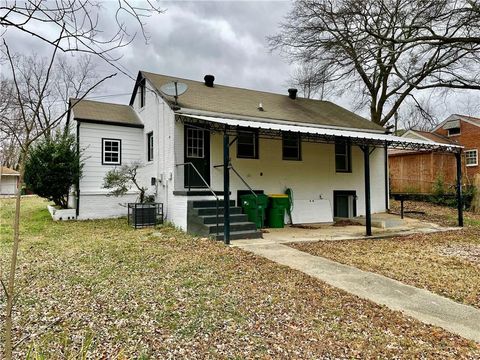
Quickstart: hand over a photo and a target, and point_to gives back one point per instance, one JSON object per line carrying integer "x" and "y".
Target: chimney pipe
{"x": 209, "y": 79}
{"x": 292, "y": 93}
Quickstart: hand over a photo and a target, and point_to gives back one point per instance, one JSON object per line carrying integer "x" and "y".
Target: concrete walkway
{"x": 421, "y": 304}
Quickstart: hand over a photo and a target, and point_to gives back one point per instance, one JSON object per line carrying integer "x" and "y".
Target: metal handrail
{"x": 240, "y": 177}
{"x": 205, "y": 182}
{"x": 248, "y": 186}
{"x": 243, "y": 180}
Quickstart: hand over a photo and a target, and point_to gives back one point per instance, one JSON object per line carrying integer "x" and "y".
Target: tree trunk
{"x": 13, "y": 265}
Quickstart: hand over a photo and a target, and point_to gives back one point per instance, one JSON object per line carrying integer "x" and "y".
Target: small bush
{"x": 53, "y": 167}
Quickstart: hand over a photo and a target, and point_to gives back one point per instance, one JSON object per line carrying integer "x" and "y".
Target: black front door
{"x": 197, "y": 152}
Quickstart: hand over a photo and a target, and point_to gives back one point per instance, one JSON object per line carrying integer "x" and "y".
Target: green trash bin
{"x": 254, "y": 207}
{"x": 276, "y": 212}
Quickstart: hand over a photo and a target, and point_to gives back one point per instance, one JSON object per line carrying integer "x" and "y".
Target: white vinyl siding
{"x": 91, "y": 136}
{"x": 8, "y": 185}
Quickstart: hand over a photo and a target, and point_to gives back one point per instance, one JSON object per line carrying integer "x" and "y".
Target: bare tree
{"x": 311, "y": 78}
{"x": 8, "y": 150}
{"x": 74, "y": 26}
{"x": 28, "y": 123}
{"x": 388, "y": 49}
{"x": 67, "y": 80}
{"x": 418, "y": 115}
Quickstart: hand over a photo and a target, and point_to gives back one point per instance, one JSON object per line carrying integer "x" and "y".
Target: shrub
{"x": 439, "y": 188}
{"x": 53, "y": 167}
{"x": 120, "y": 181}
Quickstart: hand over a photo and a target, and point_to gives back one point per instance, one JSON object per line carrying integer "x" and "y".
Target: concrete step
{"x": 234, "y": 227}
{"x": 209, "y": 203}
{"x": 381, "y": 223}
{"x": 235, "y": 235}
{"x": 205, "y": 211}
{"x": 233, "y": 218}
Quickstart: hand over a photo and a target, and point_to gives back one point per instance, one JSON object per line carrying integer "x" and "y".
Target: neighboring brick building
{"x": 464, "y": 130}
{"x": 417, "y": 171}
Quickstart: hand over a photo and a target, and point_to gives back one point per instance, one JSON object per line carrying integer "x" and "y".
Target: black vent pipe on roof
{"x": 209, "y": 79}
{"x": 292, "y": 93}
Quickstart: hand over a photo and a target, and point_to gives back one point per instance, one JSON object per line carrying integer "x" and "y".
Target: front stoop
{"x": 202, "y": 220}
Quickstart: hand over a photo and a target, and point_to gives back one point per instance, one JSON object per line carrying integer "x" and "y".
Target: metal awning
{"x": 316, "y": 133}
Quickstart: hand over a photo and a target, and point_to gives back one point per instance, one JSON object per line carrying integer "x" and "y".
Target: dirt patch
{"x": 302, "y": 226}
{"x": 465, "y": 251}
{"x": 346, "y": 222}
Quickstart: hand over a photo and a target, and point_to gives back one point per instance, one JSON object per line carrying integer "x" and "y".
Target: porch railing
{"x": 244, "y": 182}
{"x": 189, "y": 166}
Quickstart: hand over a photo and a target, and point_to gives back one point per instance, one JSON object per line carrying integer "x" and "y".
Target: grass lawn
{"x": 445, "y": 263}
{"x": 98, "y": 289}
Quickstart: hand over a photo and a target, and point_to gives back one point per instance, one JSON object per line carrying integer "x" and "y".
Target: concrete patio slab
{"x": 316, "y": 232}
{"x": 420, "y": 304}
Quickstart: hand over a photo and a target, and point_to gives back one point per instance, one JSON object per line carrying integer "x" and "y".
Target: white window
{"x": 471, "y": 157}
{"x": 111, "y": 151}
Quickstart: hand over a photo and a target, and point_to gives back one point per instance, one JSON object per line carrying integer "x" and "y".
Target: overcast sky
{"x": 226, "y": 39}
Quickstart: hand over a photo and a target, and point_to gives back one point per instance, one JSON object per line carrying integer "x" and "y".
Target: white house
{"x": 8, "y": 181}
{"x": 319, "y": 150}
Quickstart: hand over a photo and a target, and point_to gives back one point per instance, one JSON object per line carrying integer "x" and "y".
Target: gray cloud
{"x": 224, "y": 38}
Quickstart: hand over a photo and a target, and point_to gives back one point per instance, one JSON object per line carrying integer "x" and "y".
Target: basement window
{"x": 150, "y": 146}
{"x": 111, "y": 151}
{"x": 471, "y": 157}
{"x": 343, "y": 153}
{"x": 247, "y": 144}
{"x": 291, "y": 144}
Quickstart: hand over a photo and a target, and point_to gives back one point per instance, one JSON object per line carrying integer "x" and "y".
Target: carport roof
{"x": 273, "y": 128}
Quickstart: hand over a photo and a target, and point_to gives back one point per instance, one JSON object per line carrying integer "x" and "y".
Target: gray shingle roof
{"x": 97, "y": 111}
{"x": 244, "y": 102}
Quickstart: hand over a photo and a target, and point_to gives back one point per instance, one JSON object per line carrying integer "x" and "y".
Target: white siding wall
{"x": 313, "y": 178}
{"x": 8, "y": 185}
{"x": 159, "y": 118}
{"x": 93, "y": 200}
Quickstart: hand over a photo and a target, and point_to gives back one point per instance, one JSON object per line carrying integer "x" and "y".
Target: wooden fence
{"x": 417, "y": 172}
